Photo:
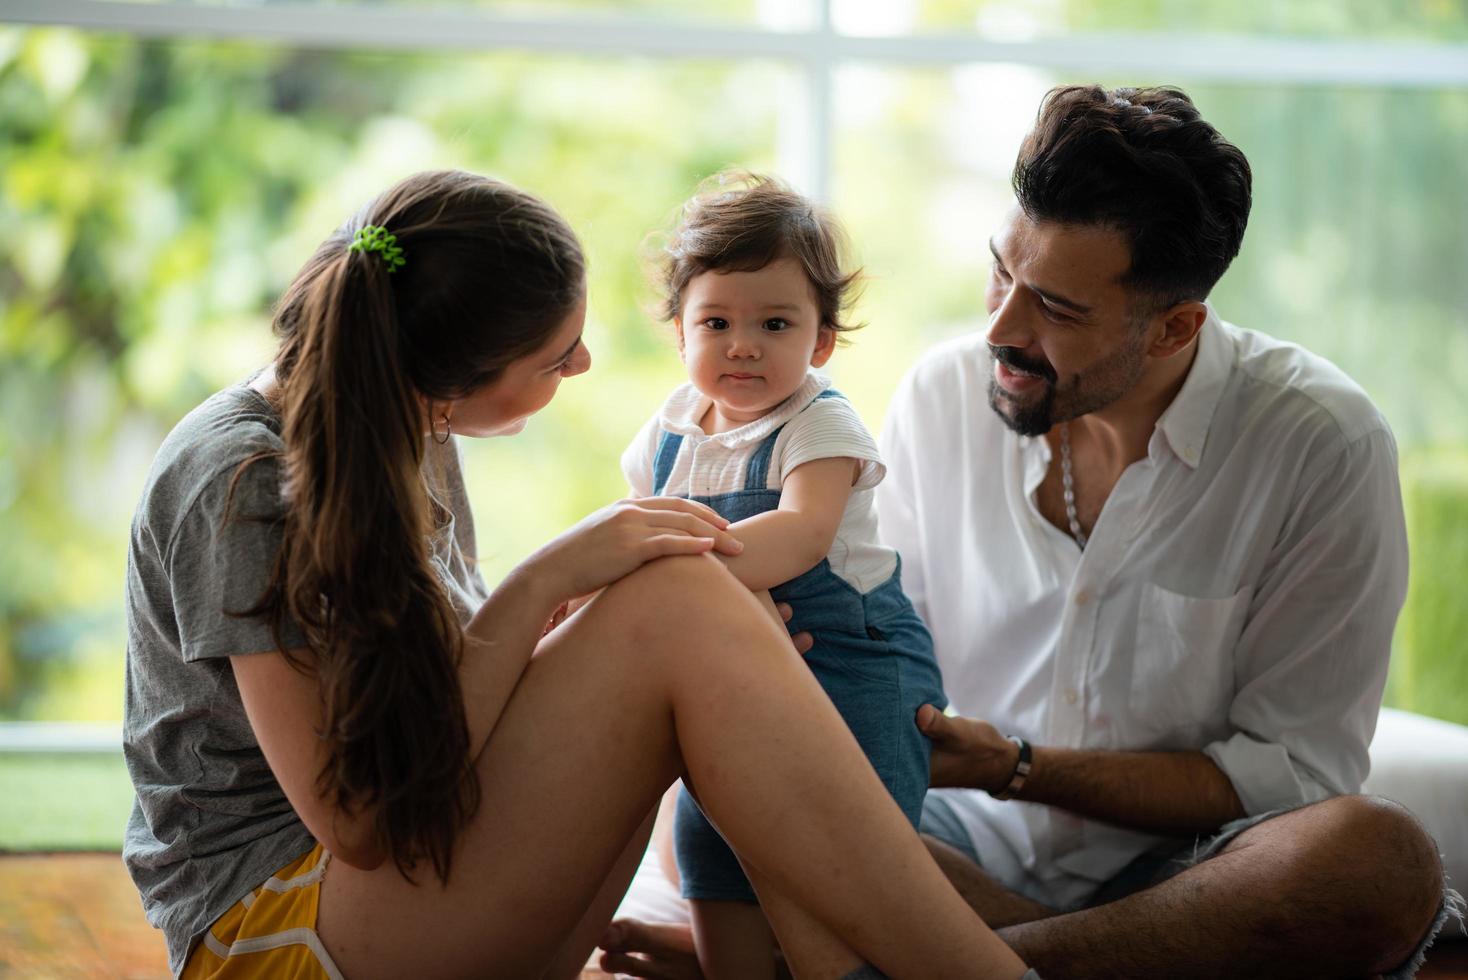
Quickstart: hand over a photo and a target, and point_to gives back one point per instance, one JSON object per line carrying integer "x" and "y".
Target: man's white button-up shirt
{"x": 1236, "y": 596}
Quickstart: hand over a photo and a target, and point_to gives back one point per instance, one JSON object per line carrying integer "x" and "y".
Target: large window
{"x": 165, "y": 168}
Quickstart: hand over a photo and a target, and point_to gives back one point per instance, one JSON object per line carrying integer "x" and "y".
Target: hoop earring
{"x": 448, "y": 430}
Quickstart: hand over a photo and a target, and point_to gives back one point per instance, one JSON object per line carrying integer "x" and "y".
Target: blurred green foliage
{"x": 1430, "y": 674}
{"x": 158, "y": 196}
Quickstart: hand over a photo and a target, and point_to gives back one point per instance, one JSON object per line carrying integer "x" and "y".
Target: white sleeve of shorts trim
{"x": 826, "y": 429}
{"x": 637, "y": 459}
{"x": 1311, "y": 663}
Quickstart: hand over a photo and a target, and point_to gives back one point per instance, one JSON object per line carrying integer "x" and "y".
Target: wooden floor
{"x": 77, "y": 917}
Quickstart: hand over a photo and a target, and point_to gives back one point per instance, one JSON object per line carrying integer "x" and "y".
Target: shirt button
{"x": 1071, "y": 697}
{"x": 1082, "y": 597}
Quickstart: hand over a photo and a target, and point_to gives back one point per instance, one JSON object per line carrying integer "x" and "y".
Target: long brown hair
{"x": 490, "y": 272}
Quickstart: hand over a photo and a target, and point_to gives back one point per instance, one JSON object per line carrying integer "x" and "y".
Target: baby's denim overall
{"x": 872, "y": 654}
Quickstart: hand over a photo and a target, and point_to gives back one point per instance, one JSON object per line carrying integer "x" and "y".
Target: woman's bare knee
{"x": 677, "y": 599}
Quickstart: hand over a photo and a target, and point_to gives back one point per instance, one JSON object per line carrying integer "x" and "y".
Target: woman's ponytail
{"x": 363, "y": 350}
{"x": 356, "y": 571}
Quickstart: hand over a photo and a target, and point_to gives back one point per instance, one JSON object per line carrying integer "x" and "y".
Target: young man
{"x": 1165, "y": 556}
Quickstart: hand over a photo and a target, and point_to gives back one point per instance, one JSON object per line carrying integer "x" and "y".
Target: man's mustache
{"x": 1010, "y": 357}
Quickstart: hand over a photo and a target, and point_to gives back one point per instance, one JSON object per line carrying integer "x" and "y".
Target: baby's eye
{"x": 716, "y": 323}
{"x": 776, "y": 325}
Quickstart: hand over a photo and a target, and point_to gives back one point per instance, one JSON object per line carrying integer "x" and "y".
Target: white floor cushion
{"x": 1422, "y": 763}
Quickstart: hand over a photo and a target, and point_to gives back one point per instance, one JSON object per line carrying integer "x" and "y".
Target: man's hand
{"x": 653, "y": 950}
{"x": 803, "y": 641}
{"x": 967, "y": 752}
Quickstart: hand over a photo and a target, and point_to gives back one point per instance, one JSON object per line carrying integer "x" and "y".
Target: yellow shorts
{"x": 271, "y": 932}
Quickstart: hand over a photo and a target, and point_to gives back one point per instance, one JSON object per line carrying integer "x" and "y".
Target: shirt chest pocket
{"x": 1183, "y": 675}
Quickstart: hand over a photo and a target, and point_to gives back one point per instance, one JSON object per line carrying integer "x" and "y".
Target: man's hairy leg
{"x": 996, "y": 905}
{"x": 1346, "y": 887}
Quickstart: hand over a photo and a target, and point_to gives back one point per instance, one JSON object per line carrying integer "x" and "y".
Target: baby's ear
{"x": 825, "y": 346}
{"x": 678, "y": 332}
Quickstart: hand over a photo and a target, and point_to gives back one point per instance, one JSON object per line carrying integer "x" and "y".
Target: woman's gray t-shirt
{"x": 209, "y": 822}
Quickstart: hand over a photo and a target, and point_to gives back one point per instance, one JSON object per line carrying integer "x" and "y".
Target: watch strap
{"x": 1021, "y": 770}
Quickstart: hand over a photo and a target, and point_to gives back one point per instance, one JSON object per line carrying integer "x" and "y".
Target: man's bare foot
{"x": 657, "y": 951}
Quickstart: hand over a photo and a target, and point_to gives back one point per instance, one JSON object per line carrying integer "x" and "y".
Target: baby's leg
{"x": 730, "y": 934}
{"x": 733, "y": 941}
{"x": 811, "y": 951}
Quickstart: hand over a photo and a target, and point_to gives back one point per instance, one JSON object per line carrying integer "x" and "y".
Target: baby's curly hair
{"x": 739, "y": 221}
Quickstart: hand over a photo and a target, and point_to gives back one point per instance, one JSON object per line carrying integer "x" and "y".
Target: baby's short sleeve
{"x": 637, "y": 459}
{"x": 829, "y": 428}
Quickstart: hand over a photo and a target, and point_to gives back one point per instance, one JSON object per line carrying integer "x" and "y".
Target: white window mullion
{"x": 803, "y": 143}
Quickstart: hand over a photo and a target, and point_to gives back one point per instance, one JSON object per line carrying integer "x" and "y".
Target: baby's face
{"x": 747, "y": 338}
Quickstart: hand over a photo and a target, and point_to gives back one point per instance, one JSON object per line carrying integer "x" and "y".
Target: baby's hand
{"x": 557, "y": 618}
{"x": 567, "y": 610}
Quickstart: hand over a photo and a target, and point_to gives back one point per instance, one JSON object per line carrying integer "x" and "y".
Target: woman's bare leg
{"x": 577, "y": 948}
{"x": 673, "y": 665}
{"x": 811, "y": 951}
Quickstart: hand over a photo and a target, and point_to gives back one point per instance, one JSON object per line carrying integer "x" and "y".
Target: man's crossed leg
{"x": 1349, "y": 887}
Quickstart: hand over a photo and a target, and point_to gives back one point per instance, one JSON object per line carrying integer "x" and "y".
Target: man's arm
{"x": 1309, "y": 670}
{"x": 1166, "y": 792}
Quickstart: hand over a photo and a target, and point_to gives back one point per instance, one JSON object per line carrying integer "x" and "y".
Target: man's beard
{"x": 1093, "y": 389}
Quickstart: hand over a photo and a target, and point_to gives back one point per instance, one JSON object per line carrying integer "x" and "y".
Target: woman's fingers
{"x": 660, "y": 545}
{"x": 685, "y": 505}
{"x": 696, "y": 525}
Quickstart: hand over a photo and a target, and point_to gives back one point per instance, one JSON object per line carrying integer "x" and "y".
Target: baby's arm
{"x": 781, "y": 544}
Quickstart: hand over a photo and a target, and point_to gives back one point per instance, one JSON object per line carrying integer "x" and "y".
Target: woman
{"x": 350, "y": 760}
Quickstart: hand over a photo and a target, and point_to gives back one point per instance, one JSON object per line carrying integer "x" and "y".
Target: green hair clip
{"x": 375, "y": 238}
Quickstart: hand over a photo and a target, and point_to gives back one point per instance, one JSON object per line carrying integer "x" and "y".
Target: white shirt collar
{"x": 1186, "y": 421}
{"x": 687, "y": 406}
{"x": 1184, "y": 424}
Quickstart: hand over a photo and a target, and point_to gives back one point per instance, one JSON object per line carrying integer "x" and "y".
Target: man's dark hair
{"x": 1143, "y": 162}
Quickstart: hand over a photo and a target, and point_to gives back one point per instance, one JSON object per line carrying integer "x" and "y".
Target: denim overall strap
{"x": 662, "y": 466}
{"x": 757, "y": 472}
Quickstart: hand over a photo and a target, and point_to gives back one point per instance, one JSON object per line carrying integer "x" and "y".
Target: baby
{"x": 756, "y": 293}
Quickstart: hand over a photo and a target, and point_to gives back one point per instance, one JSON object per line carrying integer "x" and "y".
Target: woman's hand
{"x": 620, "y": 538}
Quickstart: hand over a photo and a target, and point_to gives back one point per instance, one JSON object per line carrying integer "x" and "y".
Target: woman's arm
{"x": 284, "y": 705}
{"x": 284, "y": 708}
{"x": 781, "y": 544}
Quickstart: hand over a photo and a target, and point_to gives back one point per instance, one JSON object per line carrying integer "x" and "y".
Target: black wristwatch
{"x": 1021, "y": 770}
